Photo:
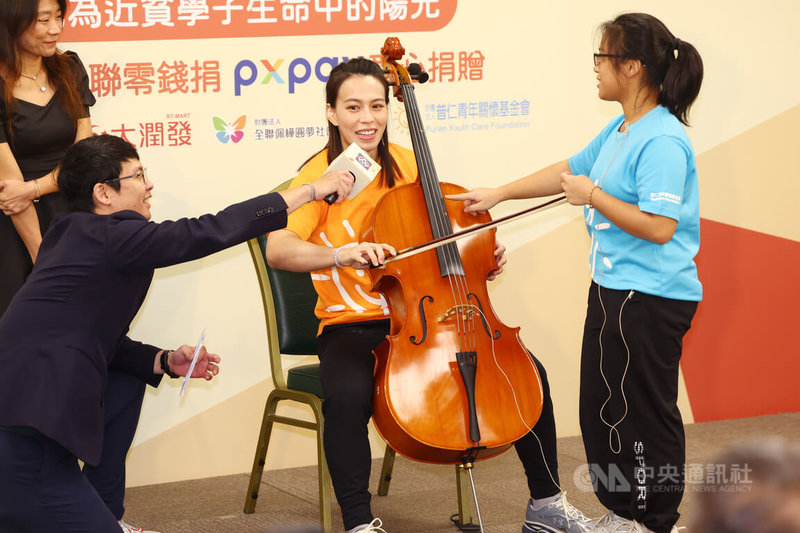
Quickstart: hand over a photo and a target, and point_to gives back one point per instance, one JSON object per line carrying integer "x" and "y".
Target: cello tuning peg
{"x": 416, "y": 72}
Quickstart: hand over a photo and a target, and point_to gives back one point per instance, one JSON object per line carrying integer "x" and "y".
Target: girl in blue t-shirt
{"x": 637, "y": 181}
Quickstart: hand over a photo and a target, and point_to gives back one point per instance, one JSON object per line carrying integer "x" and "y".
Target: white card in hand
{"x": 194, "y": 362}
{"x": 357, "y": 161}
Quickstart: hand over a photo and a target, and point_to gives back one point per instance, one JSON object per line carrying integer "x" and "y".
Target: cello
{"x": 453, "y": 384}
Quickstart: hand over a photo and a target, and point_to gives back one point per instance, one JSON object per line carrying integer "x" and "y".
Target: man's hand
{"x": 337, "y": 182}
{"x": 207, "y": 365}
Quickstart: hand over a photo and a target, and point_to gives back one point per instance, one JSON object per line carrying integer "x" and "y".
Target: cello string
{"x": 439, "y": 221}
{"x": 451, "y": 253}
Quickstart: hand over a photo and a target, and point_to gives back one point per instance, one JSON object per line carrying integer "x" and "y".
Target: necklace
{"x": 43, "y": 88}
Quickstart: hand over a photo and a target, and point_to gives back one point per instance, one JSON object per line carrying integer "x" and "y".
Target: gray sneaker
{"x": 557, "y": 517}
{"x": 612, "y": 523}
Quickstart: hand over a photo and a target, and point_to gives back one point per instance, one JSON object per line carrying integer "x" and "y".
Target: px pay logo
{"x": 298, "y": 71}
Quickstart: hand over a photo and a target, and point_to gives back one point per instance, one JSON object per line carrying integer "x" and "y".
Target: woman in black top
{"x": 44, "y": 108}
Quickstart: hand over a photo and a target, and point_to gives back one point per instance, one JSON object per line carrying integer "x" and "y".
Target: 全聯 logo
{"x": 230, "y": 132}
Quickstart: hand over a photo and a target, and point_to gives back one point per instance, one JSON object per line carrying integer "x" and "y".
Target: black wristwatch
{"x": 165, "y": 363}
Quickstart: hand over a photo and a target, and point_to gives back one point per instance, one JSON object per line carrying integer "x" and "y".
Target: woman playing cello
{"x": 323, "y": 240}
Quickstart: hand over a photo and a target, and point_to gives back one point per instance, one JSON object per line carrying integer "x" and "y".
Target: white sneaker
{"x": 675, "y": 529}
{"x": 559, "y": 516}
{"x": 127, "y": 528}
{"x": 372, "y": 527}
{"x": 611, "y": 523}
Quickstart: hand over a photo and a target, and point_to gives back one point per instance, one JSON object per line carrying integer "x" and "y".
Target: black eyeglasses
{"x": 598, "y": 57}
{"x": 140, "y": 174}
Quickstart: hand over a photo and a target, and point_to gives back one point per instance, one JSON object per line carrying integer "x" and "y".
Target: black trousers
{"x": 124, "y": 397}
{"x": 632, "y": 428}
{"x": 42, "y": 487}
{"x": 346, "y": 370}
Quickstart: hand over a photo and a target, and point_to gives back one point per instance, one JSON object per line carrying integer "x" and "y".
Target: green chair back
{"x": 293, "y": 299}
{"x": 289, "y": 299}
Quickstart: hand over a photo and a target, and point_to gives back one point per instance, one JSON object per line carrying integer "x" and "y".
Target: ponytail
{"x": 673, "y": 67}
{"x": 682, "y": 80}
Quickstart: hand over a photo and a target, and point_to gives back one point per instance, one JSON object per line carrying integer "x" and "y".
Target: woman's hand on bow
{"x": 363, "y": 255}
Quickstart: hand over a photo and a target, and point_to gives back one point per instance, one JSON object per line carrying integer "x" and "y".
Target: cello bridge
{"x": 466, "y": 312}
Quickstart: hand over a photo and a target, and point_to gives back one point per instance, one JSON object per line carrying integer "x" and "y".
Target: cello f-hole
{"x": 423, "y": 320}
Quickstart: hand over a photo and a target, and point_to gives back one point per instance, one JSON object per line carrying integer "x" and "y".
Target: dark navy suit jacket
{"x": 69, "y": 322}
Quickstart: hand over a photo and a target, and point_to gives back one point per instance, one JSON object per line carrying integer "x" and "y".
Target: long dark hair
{"x": 16, "y": 16}
{"x": 674, "y": 67}
{"x": 358, "y": 66}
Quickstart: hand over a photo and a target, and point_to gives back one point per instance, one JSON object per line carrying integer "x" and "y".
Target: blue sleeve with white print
{"x": 582, "y": 162}
{"x": 661, "y": 176}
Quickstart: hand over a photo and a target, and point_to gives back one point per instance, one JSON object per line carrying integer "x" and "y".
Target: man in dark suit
{"x": 67, "y": 327}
